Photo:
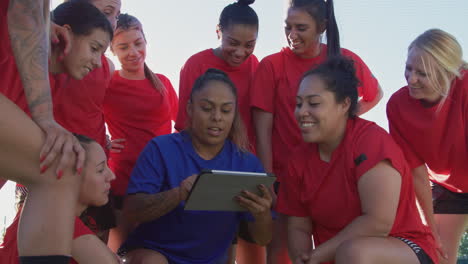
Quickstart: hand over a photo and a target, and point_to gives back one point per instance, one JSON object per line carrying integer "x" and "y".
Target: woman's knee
{"x": 354, "y": 251}
{"x": 145, "y": 256}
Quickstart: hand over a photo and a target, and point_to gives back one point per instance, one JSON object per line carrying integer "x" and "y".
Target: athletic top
{"x": 136, "y": 111}
{"x": 275, "y": 87}
{"x": 9, "y": 247}
{"x": 78, "y": 103}
{"x": 435, "y": 136}
{"x": 327, "y": 192}
{"x": 185, "y": 237}
{"x": 241, "y": 76}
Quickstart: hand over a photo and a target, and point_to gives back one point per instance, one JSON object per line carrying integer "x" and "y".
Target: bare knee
{"x": 354, "y": 251}
{"x": 145, "y": 256}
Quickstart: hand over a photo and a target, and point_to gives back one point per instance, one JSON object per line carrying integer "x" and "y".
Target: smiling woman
{"x": 166, "y": 171}
{"x": 237, "y": 31}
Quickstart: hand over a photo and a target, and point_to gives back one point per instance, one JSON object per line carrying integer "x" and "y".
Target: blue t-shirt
{"x": 185, "y": 236}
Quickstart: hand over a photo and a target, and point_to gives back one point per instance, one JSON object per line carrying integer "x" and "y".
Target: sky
{"x": 379, "y": 31}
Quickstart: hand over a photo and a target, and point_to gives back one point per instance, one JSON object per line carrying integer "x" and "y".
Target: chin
{"x": 77, "y": 76}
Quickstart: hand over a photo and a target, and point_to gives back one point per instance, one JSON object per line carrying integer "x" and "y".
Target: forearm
{"x": 423, "y": 193}
{"x": 299, "y": 243}
{"x": 263, "y": 122}
{"x": 27, "y": 27}
{"x": 362, "y": 226}
{"x": 139, "y": 208}
{"x": 261, "y": 229}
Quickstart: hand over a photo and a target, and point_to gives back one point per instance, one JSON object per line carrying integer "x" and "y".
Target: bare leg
{"x": 46, "y": 226}
{"x": 249, "y": 253}
{"x": 277, "y": 250}
{"x": 371, "y": 250}
{"x": 145, "y": 256}
{"x": 118, "y": 234}
{"x": 451, "y": 228}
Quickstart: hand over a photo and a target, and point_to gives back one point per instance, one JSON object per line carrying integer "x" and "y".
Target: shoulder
{"x": 199, "y": 57}
{"x": 163, "y": 78}
{"x": 398, "y": 98}
{"x": 246, "y": 161}
{"x": 371, "y": 144}
{"x": 273, "y": 58}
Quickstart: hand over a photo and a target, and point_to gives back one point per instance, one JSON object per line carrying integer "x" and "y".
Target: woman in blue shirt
{"x": 166, "y": 170}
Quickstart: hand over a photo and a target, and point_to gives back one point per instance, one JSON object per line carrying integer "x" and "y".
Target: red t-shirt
{"x": 328, "y": 193}
{"x": 78, "y": 103}
{"x": 435, "y": 136}
{"x": 9, "y": 247}
{"x": 10, "y": 81}
{"x": 241, "y": 77}
{"x": 136, "y": 111}
{"x": 275, "y": 87}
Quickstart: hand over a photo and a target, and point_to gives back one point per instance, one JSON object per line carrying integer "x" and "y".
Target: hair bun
{"x": 245, "y": 2}
{"x": 341, "y": 63}
{"x": 215, "y": 71}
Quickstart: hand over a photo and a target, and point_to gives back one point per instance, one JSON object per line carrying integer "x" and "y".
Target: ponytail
{"x": 155, "y": 81}
{"x": 333, "y": 35}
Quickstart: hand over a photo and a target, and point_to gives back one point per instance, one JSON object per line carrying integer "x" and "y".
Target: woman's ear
{"x": 346, "y": 104}
{"x": 218, "y": 32}
{"x": 322, "y": 27}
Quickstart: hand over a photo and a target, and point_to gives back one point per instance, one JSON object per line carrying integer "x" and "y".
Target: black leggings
{"x": 45, "y": 260}
{"x": 420, "y": 253}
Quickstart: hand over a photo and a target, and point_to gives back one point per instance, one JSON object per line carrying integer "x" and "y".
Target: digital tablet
{"x": 214, "y": 190}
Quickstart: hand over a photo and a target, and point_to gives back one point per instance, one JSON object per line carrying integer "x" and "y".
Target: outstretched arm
{"x": 28, "y": 21}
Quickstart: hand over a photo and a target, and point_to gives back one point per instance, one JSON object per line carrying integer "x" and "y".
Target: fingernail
{"x": 43, "y": 169}
{"x": 59, "y": 174}
{"x": 79, "y": 170}
{"x": 42, "y": 158}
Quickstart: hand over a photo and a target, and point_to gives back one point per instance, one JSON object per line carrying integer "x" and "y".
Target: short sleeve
{"x": 149, "y": 171}
{"x": 262, "y": 90}
{"x": 395, "y": 129}
{"x": 171, "y": 95}
{"x": 289, "y": 193}
{"x": 81, "y": 229}
{"x": 373, "y": 146}
{"x": 369, "y": 86}
{"x": 186, "y": 80}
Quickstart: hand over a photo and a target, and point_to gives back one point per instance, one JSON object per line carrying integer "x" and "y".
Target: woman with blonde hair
{"x": 428, "y": 120}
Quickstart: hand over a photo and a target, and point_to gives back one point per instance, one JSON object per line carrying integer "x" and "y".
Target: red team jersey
{"x": 241, "y": 77}
{"x": 78, "y": 103}
{"x": 327, "y": 192}
{"x": 274, "y": 90}
{"x": 9, "y": 247}
{"x": 136, "y": 111}
{"x": 435, "y": 136}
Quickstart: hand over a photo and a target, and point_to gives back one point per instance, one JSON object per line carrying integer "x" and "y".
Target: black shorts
{"x": 420, "y": 253}
{"x": 448, "y": 202}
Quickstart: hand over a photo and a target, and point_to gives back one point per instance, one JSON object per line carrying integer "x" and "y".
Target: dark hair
{"x": 82, "y": 17}
{"x": 127, "y": 22}
{"x": 96, "y": 218}
{"x": 339, "y": 75}
{"x": 322, "y": 12}
{"x": 238, "y": 133}
{"x": 238, "y": 13}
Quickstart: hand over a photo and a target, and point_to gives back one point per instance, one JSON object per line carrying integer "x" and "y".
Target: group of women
{"x": 346, "y": 192}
